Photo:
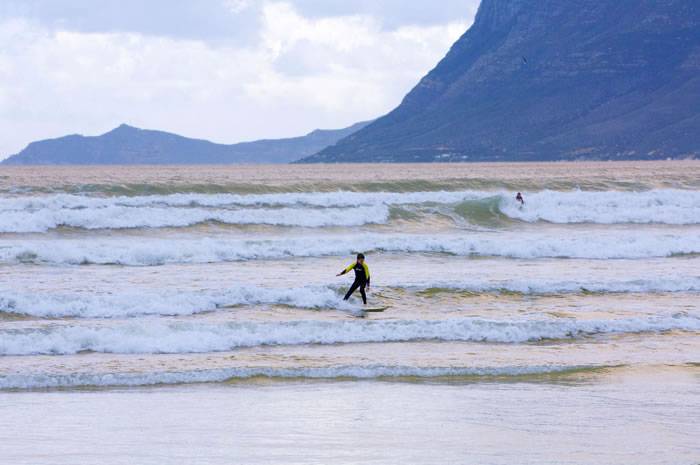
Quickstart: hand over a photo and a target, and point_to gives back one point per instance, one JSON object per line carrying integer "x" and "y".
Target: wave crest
{"x": 152, "y": 336}
{"x": 319, "y": 209}
{"x": 45, "y": 380}
{"x": 622, "y": 244}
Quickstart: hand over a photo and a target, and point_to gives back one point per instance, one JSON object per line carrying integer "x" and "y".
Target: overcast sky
{"x": 224, "y": 70}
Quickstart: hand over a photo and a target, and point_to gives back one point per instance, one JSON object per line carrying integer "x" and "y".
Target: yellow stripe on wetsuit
{"x": 351, "y": 267}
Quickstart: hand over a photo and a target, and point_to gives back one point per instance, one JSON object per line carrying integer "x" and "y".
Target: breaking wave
{"x": 166, "y": 302}
{"x": 119, "y": 217}
{"x": 655, "y": 206}
{"x": 527, "y": 245}
{"x": 157, "y": 336}
{"x": 319, "y": 209}
{"x": 43, "y": 381}
{"x": 294, "y": 199}
{"x": 171, "y": 302}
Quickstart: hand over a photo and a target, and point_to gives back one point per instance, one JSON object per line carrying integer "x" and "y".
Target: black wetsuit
{"x": 361, "y": 280}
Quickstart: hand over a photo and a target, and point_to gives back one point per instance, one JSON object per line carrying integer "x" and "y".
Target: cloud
{"x": 393, "y": 13}
{"x": 295, "y": 73}
{"x": 237, "y": 6}
{"x": 219, "y": 19}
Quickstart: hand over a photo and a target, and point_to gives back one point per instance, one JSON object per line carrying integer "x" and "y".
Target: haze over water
{"x": 563, "y": 327}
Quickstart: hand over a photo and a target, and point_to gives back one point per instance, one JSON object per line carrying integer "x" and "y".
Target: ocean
{"x": 193, "y": 315}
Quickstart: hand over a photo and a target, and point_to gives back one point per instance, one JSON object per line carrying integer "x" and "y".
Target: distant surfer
{"x": 361, "y": 277}
{"x": 519, "y": 198}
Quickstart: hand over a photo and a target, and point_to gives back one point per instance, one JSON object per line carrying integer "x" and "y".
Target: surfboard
{"x": 375, "y": 310}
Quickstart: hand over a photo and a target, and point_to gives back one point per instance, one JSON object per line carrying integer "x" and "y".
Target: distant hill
{"x": 127, "y": 145}
{"x": 551, "y": 80}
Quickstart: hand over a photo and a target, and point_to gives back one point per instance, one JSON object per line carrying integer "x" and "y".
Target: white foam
{"x": 120, "y": 217}
{"x": 316, "y": 209}
{"x": 307, "y": 199}
{"x": 48, "y": 380}
{"x": 122, "y": 304}
{"x": 166, "y": 302}
{"x": 148, "y": 251}
{"x": 544, "y": 285}
{"x": 667, "y": 206}
{"x": 147, "y": 335}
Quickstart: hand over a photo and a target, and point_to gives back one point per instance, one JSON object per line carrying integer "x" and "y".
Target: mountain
{"x": 551, "y": 80}
{"x": 127, "y": 145}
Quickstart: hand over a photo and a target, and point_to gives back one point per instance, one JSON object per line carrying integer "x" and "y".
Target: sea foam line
{"x": 664, "y": 206}
{"x": 119, "y": 217}
{"x": 173, "y": 302}
{"x": 583, "y": 200}
{"x": 295, "y": 199}
{"x": 530, "y": 245}
{"x": 147, "y": 336}
{"x": 49, "y": 380}
{"x": 41, "y": 213}
{"x": 165, "y": 303}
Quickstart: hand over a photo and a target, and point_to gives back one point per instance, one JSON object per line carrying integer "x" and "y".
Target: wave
{"x": 307, "y": 199}
{"x": 547, "y": 286}
{"x": 118, "y": 217}
{"x": 268, "y": 180}
{"x": 165, "y": 303}
{"x": 622, "y": 244}
{"x": 148, "y": 336}
{"x": 317, "y": 209}
{"x": 46, "y": 380}
{"x": 171, "y": 302}
{"x": 656, "y": 206}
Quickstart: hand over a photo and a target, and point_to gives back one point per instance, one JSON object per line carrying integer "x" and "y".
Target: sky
{"x": 223, "y": 70}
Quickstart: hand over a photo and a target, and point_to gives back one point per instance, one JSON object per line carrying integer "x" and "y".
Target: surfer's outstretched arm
{"x": 346, "y": 270}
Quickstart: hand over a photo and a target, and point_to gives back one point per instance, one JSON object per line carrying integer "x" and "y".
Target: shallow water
{"x": 169, "y": 277}
{"x": 607, "y": 416}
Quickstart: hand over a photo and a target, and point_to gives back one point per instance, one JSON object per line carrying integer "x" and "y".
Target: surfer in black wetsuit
{"x": 519, "y": 198}
{"x": 361, "y": 277}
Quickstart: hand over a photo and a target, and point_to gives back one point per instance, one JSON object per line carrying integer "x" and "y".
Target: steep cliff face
{"x": 547, "y": 79}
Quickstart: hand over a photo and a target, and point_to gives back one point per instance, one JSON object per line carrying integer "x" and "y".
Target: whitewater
{"x": 316, "y": 210}
{"x": 229, "y": 273}
{"x": 142, "y": 307}
{"x": 604, "y": 244}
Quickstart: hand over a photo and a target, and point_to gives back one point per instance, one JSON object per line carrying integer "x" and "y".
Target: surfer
{"x": 519, "y": 198}
{"x": 361, "y": 277}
